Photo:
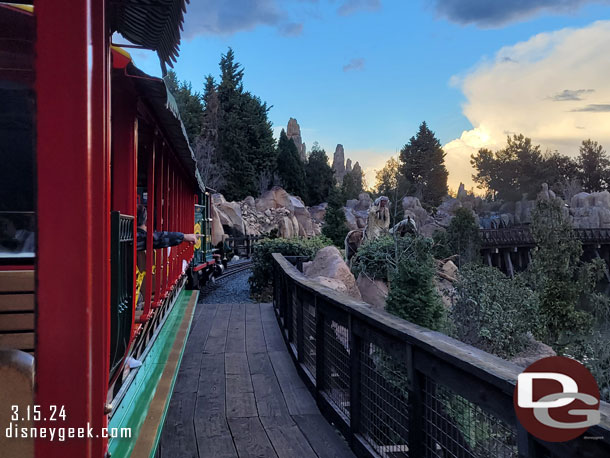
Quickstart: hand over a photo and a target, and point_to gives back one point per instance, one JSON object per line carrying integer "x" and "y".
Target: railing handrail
{"x": 428, "y": 348}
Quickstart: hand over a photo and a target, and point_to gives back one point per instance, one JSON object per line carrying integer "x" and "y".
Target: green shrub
{"x": 262, "y": 270}
{"x": 492, "y": 311}
{"x": 413, "y": 295}
{"x": 375, "y": 258}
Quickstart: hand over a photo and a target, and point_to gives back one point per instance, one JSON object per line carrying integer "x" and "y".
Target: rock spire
{"x": 293, "y": 131}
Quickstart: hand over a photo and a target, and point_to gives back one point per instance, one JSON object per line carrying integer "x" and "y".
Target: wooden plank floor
{"x": 238, "y": 393}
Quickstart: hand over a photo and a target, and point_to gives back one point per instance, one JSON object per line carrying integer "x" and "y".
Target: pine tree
{"x": 412, "y": 294}
{"x": 319, "y": 176}
{"x": 594, "y": 166}
{"x": 189, "y": 104}
{"x": 290, "y": 168}
{"x": 335, "y": 225}
{"x": 422, "y": 164}
{"x": 211, "y": 165}
{"x": 245, "y": 136}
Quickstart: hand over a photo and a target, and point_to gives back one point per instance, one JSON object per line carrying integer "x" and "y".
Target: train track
{"x": 235, "y": 269}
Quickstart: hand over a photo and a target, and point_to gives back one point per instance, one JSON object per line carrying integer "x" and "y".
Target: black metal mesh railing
{"x": 384, "y": 420}
{"x": 336, "y": 361}
{"x": 455, "y": 427}
{"x": 309, "y": 338}
{"x": 397, "y": 390}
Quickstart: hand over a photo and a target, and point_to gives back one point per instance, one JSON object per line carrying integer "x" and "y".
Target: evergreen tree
{"x": 563, "y": 282}
{"x": 335, "y": 225}
{"x": 463, "y": 236}
{"x": 189, "y": 104}
{"x": 290, "y": 168}
{"x": 593, "y": 166}
{"x": 245, "y": 137}
{"x": 422, "y": 164}
{"x": 319, "y": 176}
{"x": 412, "y": 294}
{"x": 211, "y": 165}
{"x": 352, "y": 184}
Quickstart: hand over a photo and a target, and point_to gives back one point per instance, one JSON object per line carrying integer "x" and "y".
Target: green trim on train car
{"x": 134, "y": 407}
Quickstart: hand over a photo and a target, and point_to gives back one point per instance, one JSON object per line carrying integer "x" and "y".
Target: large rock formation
{"x": 328, "y": 267}
{"x": 339, "y": 163}
{"x": 275, "y": 210}
{"x": 373, "y": 292}
{"x": 591, "y": 210}
{"x": 293, "y": 131}
{"x": 357, "y": 211}
{"x": 357, "y": 170}
{"x": 348, "y": 165}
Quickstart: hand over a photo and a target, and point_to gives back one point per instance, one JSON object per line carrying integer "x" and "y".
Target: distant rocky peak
{"x": 339, "y": 163}
{"x": 293, "y": 131}
{"x": 348, "y": 165}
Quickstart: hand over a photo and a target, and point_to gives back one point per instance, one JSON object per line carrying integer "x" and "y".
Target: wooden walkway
{"x": 238, "y": 393}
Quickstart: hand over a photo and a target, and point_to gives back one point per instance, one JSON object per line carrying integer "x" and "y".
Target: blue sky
{"x": 365, "y": 73}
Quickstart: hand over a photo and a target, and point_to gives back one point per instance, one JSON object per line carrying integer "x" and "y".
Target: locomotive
{"x": 92, "y": 330}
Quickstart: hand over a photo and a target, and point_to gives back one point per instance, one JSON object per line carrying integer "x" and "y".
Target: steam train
{"x": 92, "y": 330}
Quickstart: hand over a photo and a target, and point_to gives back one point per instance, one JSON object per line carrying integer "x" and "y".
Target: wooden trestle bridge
{"x": 510, "y": 248}
{"x": 317, "y": 374}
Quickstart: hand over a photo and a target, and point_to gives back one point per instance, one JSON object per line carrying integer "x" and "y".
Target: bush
{"x": 375, "y": 258}
{"x": 493, "y": 312}
{"x": 262, "y": 270}
{"x": 413, "y": 294}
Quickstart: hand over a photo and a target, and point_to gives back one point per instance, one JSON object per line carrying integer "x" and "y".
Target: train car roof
{"x": 152, "y": 24}
{"x": 155, "y": 92}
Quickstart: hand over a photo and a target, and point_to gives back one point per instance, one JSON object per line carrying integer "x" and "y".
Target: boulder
{"x": 286, "y": 228}
{"x": 304, "y": 221}
{"x": 217, "y": 230}
{"x": 535, "y": 350}
{"x": 373, "y": 292}
{"x": 446, "y": 276}
{"x": 231, "y": 211}
{"x": 351, "y": 203}
{"x": 318, "y": 212}
{"x": 580, "y": 200}
{"x": 416, "y": 211}
{"x": 329, "y": 263}
{"x": 364, "y": 202}
{"x": 250, "y": 202}
{"x": 350, "y": 219}
{"x": 274, "y": 198}
{"x": 218, "y": 199}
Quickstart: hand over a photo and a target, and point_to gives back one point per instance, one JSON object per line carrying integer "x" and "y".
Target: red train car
{"x": 91, "y": 329}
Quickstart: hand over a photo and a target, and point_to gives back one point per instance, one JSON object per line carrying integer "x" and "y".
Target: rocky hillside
{"x": 275, "y": 210}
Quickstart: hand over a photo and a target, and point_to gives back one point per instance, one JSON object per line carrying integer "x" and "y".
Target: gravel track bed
{"x": 230, "y": 290}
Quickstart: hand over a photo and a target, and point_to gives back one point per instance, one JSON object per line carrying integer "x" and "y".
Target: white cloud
{"x": 516, "y": 92}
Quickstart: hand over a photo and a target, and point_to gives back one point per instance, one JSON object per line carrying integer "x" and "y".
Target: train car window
{"x": 17, "y": 171}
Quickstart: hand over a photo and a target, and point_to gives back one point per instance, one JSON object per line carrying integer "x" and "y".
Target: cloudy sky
{"x": 365, "y": 73}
